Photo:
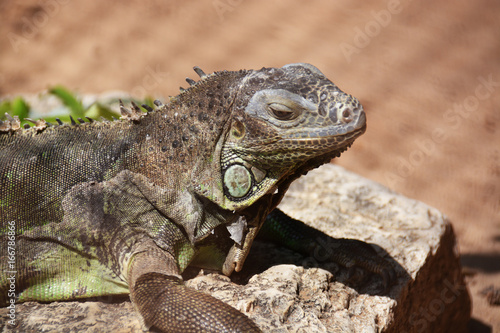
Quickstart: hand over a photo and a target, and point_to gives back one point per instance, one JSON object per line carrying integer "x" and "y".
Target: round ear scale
{"x": 238, "y": 180}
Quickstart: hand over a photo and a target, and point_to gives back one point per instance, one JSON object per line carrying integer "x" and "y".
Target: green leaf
{"x": 97, "y": 110}
{"x": 148, "y": 100}
{"x": 20, "y": 107}
{"x": 4, "y": 108}
{"x": 15, "y": 107}
{"x": 69, "y": 99}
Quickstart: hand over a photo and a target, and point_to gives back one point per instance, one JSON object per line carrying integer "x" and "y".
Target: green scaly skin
{"x": 108, "y": 208}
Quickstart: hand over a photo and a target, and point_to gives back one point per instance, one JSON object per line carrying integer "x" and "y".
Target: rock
{"x": 73, "y": 317}
{"x": 430, "y": 295}
{"x": 285, "y": 292}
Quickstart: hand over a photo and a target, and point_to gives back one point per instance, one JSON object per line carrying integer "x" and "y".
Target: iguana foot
{"x": 169, "y": 306}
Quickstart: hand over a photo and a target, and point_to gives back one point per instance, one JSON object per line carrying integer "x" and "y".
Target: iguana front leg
{"x": 350, "y": 253}
{"x": 164, "y": 303}
{"x": 123, "y": 222}
{"x": 153, "y": 270}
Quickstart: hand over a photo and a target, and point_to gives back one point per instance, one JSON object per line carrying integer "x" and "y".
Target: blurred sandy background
{"x": 427, "y": 73}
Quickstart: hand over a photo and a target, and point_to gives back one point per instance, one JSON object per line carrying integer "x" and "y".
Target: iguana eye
{"x": 281, "y": 111}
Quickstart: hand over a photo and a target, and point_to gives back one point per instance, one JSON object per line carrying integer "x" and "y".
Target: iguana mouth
{"x": 327, "y": 143}
{"x": 315, "y": 162}
{"x": 346, "y": 141}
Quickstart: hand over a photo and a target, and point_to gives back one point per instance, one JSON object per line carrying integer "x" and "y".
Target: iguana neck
{"x": 179, "y": 140}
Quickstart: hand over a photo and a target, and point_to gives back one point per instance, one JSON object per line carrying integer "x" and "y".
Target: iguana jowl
{"x": 106, "y": 208}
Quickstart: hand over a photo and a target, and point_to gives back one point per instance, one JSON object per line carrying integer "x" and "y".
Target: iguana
{"x": 103, "y": 208}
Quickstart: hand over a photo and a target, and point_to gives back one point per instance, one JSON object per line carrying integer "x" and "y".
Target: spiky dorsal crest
{"x": 134, "y": 113}
{"x": 10, "y": 124}
{"x": 203, "y": 77}
{"x": 13, "y": 124}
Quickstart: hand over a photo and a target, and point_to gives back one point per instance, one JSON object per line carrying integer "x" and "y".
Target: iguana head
{"x": 285, "y": 122}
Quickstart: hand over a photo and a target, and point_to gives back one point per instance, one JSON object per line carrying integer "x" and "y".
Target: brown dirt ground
{"x": 427, "y": 73}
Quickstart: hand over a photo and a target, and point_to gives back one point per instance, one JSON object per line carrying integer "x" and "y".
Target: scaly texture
{"x": 125, "y": 206}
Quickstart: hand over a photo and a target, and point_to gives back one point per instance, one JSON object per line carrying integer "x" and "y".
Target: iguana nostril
{"x": 347, "y": 115}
